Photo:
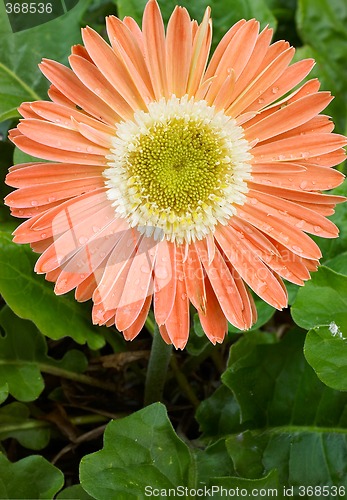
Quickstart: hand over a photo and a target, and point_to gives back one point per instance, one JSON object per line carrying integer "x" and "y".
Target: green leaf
{"x": 139, "y": 450}
{"x": 296, "y": 424}
{"x": 23, "y": 353}
{"x": 30, "y": 478}
{"x": 13, "y": 91}
{"x": 322, "y": 300}
{"x": 247, "y": 487}
{"x": 15, "y": 422}
{"x": 325, "y": 350}
{"x": 322, "y": 26}
{"x": 219, "y": 414}
{"x": 75, "y": 492}
{"x": 214, "y": 461}
{"x": 3, "y": 393}
{"x": 302, "y": 458}
{"x": 338, "y": 263}
{"x": 31, "y": 297}
{"x": 20, "y": 79}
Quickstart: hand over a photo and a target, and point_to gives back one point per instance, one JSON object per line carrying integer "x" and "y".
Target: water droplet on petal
{"x": 95, "y": 229}
{"x": 102, "y": 254}
{"x": 136, "y": 282}
{"x": 34, "y": 203}
{"x": 300, "y": 224}
{"x": 82, "y": 240}
{"x": 254, "y": 201}
{"x": 90, "y": 149}
{"x": 43, "y": 235}
{"x": 260, "y": 100}
{"x": 317, "y": 229}
{"x": 183, "y": 296}
{"x": 51, "y": 199}
{"x": 303, "y": 184}
{"x": 145, "y": 269}
{"x": 297, "y": 249}
{"x": 161, "y": 272}
{"x": 61, "y": 284}
{"x": 274, "y": 90}
{"x": 262, "y": 287}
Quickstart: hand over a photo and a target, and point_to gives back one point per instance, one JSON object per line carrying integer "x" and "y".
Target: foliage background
{"x": 266, "y": 409}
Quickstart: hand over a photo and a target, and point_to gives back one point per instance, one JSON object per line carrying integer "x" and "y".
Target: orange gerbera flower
{"x": 177, "y": 178}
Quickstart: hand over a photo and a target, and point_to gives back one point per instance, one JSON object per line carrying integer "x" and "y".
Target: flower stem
{"x": 157, "y": 367}
{"x": 77, "y": 377}
{"x": 183, "y": 383}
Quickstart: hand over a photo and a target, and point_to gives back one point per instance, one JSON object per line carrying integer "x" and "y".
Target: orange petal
{"x": 126, "y": 47}
{"x": 177, "y": 323}
{"x": 194, "y": 276}
{"x": 250, "y": 267}
{"x": 289, "y": 117}
{"x": 290, "y": 77}
{"x": 58, "y": 137}
{"x": 238, "y": 52}
{"x": 312, "y": 179}
{"x": 298, "y": 148}
{"x": 263, "y": 81}
{"x": 47, "y": 173}
{"x": 200, "y": 53}
{"x": 54, "y": 154}
{"x": 290, "y": 237}
{"x": 68, "y": 84}
{"x": 154, "y": 46}
{"x": 132, "y": 25}
{"x": 139, "y": 284}
{"x": 221, "y": 48}
{"x": 96, "y": 82}
{"x": 164, "y": 281}
{"x": 179, "y": 51}
{"x": 131, "y": 332}
{"x": 112, "y": 68}
{"x": 68, "y": 244}
{"x": 63, "y": 115}
{"x": 254, "y": 62}
{"x": 223, "y": 285}
{"x": 212, "y": 320}
{"x": 90, "y": 255}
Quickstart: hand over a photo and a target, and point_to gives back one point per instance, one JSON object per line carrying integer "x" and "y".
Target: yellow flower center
{"x": 178, "y": 164}
{"x": 178, "y": 170}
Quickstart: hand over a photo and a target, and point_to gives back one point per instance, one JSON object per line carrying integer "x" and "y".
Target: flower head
{"x": 177, "y": 179}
